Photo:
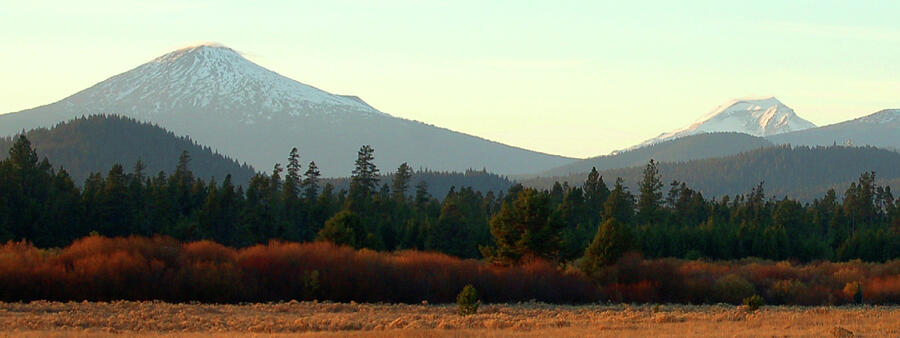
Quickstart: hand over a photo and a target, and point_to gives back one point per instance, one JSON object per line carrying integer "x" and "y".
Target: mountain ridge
{"x": 222, "y": 100}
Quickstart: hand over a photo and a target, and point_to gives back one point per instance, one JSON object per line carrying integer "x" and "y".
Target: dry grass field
{"x": 41, "y": 319}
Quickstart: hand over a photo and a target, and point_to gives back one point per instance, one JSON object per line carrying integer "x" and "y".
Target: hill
{"x": 693, "y": 147}
{"x": 93, "y": 144}
{"x": 798, "y": 172}
{"x": 440, "y": 183}
{"x": 879, "y": 129}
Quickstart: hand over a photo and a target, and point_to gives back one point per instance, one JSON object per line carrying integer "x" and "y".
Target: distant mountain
{"x": 692, "y": 147}
{"x": 94, "y": 144}
{"x": 881, "y": 129}
{"x": 757, "y": 117}
{"x": 798, "y": 172}
{"x": 223, "y": 100}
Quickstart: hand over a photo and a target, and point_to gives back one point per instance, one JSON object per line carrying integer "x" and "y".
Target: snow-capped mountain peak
{"x": 216, "y": 77}
{"x": 221, "y": 99}
{"x": 754, "y": 116}
{"x": 886, "y": 116}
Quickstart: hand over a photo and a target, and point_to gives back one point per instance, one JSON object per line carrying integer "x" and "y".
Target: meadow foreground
{"x": 383, "y": 320}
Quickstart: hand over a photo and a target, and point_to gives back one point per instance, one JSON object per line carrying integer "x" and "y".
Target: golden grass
{"x": 54, "y": 319}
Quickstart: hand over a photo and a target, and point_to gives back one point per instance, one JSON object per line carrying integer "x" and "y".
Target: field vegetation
{"x": 390, "y": 320}
{"x": 98, "y": 268}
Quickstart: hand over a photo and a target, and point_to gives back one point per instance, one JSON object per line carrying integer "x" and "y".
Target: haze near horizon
{"x": 578, "y": 79}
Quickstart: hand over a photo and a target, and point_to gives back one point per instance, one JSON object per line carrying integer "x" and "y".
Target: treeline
{"x": 92, "y": 144}
{"x": 441, "y": 182}
{"x": 41, "y": 204}
{"x": 588, "y": 226}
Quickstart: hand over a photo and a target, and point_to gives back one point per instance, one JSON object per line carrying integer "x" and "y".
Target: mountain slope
{"x": 223, "y": 100}
{"x": 93, "y": 144}
{"x": 797, "y": 172}
{"x": 881, "y": 129}
{"x": 757, "y": 117}
{"x": 686, "y": 148}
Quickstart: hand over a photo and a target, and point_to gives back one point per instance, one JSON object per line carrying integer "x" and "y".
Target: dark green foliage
{"x": 612, "y": 240}
{"x": 858, "y": 296}
{"x": 94, "y": 144}
{"x": 753, "y": 302}
{"x": 438, "y": 184}
{"x": 509, "y": 226}
{"x": 344, "y": 228}
{"x": 649, "y": 203}
{"x": 365, "y": 176}
{"x": 526, "y": 226}
{"x": 620, "y": 204}
{"x": 467, "y": 301}
{"x": 400, "y": 183}
{"x": 800, "y": 172}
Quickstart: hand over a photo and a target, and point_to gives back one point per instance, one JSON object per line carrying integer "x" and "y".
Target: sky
{"x": 573, "y": 78}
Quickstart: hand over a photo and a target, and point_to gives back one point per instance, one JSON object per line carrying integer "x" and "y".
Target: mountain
{"x": 757, "y": 117}
{"x": 799, "y": 172}
{"x": 94, "y": 144}
{"x": 692, "y": 147}
{"x": 222, "y": 100}
{"x": 880, "y": 129}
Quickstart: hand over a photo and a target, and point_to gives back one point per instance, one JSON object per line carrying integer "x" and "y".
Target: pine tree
{"x": 401, "y": 182}
{"x": 292, "y": 179}
{"x": 344, "y": 228}
{"x": 650, "y": 199}
{"x": 311, "y": 182}
{"x": 619, "y": 205}
{"x": 595, "y": 194}
{"x": 611, "y": 241}
{"x": 365, "y": 175}
{"x": 526, "y": 227}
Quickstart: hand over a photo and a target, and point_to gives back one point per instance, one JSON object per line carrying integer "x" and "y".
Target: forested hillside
{"x": 94, "y": 144}
{"x": 589, "y": 226}
{"x": 439, "y": 183}
{"x": 693, "y": 147}
{"x": 802, "y": 173}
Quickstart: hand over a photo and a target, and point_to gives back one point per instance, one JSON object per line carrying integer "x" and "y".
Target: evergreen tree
{"x": 595, "y": 194}
{"x": 526, "y": 227}
{"x": 611, "y": 241}
{"x": 311, "y": 182}
{"x": 619, "y": 205}
{"x": 292, "y": 179}
{"x": 401, "y": 182}
{"x": 344, "y": 228}
{"x": 650, "y": 198}
{"x": 365, "y": 175}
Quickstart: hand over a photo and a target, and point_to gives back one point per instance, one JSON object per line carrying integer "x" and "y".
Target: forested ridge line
{"x": 585, "y": 226}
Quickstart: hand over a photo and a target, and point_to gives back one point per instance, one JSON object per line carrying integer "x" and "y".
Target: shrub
{"x": 732, "y": 289}
{"x": 853, "y": 291}
{"x": 753, "y": 302}
{"x": 467, "y": 300}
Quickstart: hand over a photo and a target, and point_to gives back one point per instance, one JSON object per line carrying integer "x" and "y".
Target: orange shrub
{"x": 140, "y": 268}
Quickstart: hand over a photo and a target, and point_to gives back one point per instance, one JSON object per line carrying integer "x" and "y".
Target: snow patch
{"x": 754, "y": 116}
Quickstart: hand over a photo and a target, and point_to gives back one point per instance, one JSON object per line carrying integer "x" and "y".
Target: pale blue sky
{"x": 576, "y": 78}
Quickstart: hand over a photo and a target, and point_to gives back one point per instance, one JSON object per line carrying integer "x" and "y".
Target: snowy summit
{"x": 217, "y": 77}
{"x": 757, "y": 117}
{"x": 222, "y": 100}
{"x": 887, "y": 116}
